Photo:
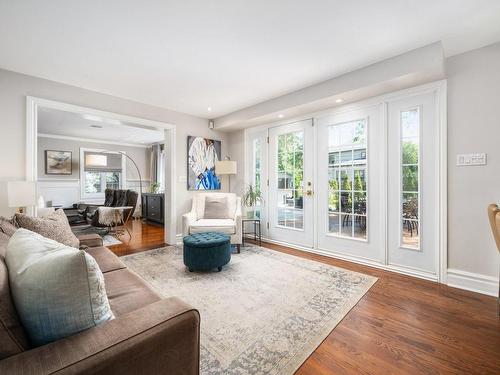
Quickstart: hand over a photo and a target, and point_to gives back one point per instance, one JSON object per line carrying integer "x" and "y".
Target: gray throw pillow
{"x": 57, "y": 290}
{"x": 54, "y": 226}
{"x": 7, "y": 226}
{"x": 215, "y": 208}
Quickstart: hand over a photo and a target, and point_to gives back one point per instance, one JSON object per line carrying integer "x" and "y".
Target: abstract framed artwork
{"x": 58, "y": 162}
{"x": 201, "y": 158}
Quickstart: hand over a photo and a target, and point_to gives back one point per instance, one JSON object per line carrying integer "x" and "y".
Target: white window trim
{"x": 99, "y": 196}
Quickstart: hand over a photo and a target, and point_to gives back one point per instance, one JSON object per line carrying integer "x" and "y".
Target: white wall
{"x": 236, "y": 150}
{"x": 15, "y": 87}
{"x": 473, "y": 126}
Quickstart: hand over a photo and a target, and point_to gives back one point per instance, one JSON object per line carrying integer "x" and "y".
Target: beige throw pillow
{"x": 54, "y": 226}
{"x": 215, "y": 208}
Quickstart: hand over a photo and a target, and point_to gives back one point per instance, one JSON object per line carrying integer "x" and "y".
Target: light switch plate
{"x": 471, "y": 159}
{"x": 182, "y": 179}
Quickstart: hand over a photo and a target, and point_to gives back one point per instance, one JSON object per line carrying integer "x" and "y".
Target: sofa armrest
{"x": 161, "y": 338}
{"x": 90, "y": 240}
{"x": 187, "y": 220}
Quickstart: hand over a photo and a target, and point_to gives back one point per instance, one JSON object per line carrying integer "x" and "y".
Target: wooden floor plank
{"x": 402, "y": 325}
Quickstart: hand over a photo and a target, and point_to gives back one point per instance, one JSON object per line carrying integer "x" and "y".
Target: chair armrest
{"x": 187, "y": 220}
{"x": 161, "y": 338}
{"x": 238, "y": 219}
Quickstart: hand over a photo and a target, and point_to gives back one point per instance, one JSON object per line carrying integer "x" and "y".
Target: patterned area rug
{"x": 265, "y": 313}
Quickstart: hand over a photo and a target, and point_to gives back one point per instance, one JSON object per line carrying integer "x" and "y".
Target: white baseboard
{"x": 473, "y": 282}
{"x": 359, "y": 260}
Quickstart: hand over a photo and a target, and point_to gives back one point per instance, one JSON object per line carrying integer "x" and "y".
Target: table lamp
{"x": 21, "y": 194}
{"x": 226, "y": 167}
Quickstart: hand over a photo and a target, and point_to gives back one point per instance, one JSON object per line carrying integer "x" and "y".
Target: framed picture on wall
{"x": 58, "y": 162}
{"x": 201, "y": 158}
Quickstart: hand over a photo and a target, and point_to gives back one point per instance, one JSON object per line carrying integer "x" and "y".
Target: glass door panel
{"x": 412, "y": 145}
{"x": 349, "y": 198}
{"x": 290, "y": 176}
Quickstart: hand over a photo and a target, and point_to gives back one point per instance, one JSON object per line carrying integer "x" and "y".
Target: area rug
{"x": 265, "y": 313}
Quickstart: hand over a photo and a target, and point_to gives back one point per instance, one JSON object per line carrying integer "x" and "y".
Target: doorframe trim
{"x": 440, "y": 90}
{"x": 32, "y": 105}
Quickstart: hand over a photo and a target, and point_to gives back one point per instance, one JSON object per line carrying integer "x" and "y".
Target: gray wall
{"x": 15, "y": 87}
{"x": 473, "y": 126}
{"x": 141, "y": 156}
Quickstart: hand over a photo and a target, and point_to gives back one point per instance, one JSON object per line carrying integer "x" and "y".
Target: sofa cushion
{"x": 216, "y": 208}
{"x": 226, "y": 226}
{"x": 12, "y": 336}
{"x": 127, "y": 292}
{"x": 106, "y": 260}
{"x": 54, "y": 226}
{"x": 7, "y": 226}
{"x": 57, "y": 290}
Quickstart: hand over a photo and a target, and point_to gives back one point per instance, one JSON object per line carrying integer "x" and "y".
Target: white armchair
{"x": 195, "y": 222}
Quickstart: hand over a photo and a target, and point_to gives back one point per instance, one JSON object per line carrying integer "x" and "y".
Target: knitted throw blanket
{"x": 108, "y": 216}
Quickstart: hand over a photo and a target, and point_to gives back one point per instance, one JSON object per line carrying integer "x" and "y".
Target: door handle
{"x": 309, "y": 192}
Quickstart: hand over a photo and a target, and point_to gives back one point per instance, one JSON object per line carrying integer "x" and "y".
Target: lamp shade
{"x": 96, "y": 160}
{"x": 225, "y": 167}
{"x": 21, "y": 193}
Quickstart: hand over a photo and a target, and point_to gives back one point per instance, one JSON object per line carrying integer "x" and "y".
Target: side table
{"x": 256, "y": 229}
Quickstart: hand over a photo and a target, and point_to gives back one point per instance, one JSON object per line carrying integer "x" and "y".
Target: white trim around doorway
{"x": 32, "y": 105}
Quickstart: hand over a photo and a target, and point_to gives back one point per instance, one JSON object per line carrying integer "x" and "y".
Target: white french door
{"x": 291, "y": 183}
{"x": 413, "y": 216}
{"x": 350, "y": 204}
{"x": 364, "y": 184}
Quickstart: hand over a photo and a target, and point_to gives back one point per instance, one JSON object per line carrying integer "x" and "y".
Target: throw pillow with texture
{"x": 215, "y": 208}
{"x": 57, "y": 290}
{"x": 54, "y": 226}
{"x": 7, "y": 226}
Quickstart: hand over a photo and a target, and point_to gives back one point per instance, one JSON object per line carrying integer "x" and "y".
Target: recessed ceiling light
{"x": 96, "y": 126}
{"x": 339, "y": 100}
{"x": 209, "y": 109}
{"x": 281, "y": 115}
{"x": 92, "y": 118}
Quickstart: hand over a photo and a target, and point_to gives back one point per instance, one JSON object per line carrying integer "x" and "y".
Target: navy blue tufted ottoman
{"x": 206, "y": 251}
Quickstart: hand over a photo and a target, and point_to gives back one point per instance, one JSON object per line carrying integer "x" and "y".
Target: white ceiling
{"x": 226, "y": 54}
{"x": 82, "y": 126}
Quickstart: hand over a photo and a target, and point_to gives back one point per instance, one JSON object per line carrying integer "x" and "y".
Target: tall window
{"x": 410, "y": 179}
{"x": 97, "y": 178}
{"x": 97, "y": 182}
{"x": 257, "y": 170}
{"x": 290, "y": 180}
{"x": 347, "y": 183}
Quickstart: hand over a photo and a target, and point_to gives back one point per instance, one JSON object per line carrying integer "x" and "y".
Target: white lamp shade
{"x": 225, "y": 167}
{"x": 21, "y": 193}
{"x": 96, "y": 160}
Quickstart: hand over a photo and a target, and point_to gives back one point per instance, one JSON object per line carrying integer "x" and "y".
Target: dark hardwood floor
{"x": 145, "y": 236}
{"x": 402, "y": 325}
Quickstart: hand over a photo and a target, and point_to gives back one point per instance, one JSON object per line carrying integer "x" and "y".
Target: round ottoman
{"x": 206, "y": 251}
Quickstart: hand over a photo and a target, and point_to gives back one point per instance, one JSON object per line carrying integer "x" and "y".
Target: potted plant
{"x": 154, "y": 187}
{"x": 251, "y": 197}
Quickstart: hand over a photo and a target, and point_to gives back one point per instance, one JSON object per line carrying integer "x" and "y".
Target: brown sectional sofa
{"x": 149, "y": 335}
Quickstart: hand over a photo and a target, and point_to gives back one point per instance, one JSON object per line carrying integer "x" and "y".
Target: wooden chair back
{"x": 494, "y": 216}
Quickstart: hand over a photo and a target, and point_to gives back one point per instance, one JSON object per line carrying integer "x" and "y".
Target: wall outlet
{"x": 471, "y": 159}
